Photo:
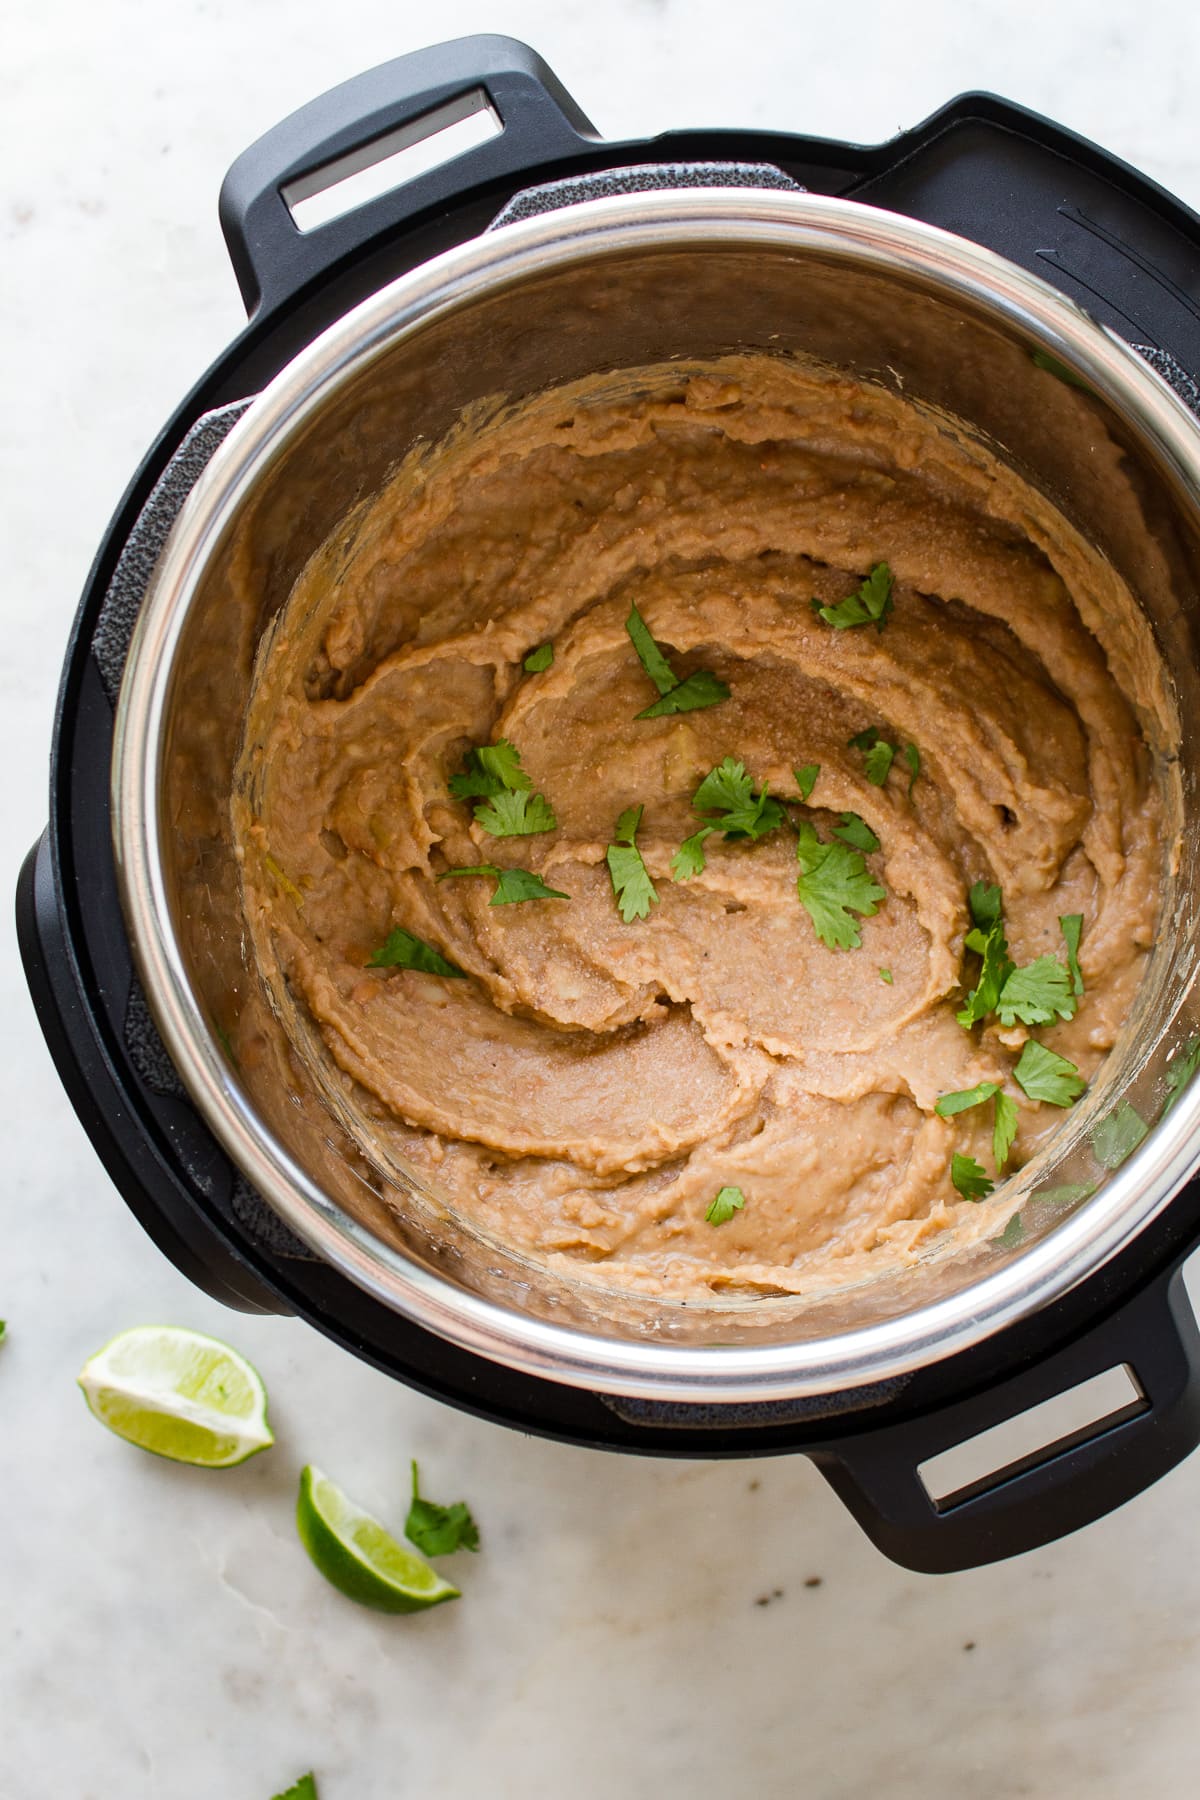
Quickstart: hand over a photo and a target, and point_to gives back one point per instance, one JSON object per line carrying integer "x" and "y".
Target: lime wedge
{"x": 179, "y": 1394}
{"x": 359, "y": 1555}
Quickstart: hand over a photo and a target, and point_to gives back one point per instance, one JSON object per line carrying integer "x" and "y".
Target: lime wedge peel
{"x": 178, "y": 1394}
{"x": 359, "y": 1556}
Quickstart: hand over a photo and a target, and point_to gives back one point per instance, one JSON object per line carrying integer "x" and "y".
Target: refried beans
{"x": 595, "y": 1070}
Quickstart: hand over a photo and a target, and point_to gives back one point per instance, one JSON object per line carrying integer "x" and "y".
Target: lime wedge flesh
{"x": 178, "y": 1394}
{"x": 359, "y": 1556}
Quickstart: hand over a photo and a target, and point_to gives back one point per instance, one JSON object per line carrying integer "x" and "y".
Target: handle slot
{"x": 1027, "y": 1439}
{"x": 391, "y": 160}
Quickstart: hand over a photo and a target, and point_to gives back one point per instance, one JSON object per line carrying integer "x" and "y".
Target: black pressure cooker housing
{"x": 992, "y": 172}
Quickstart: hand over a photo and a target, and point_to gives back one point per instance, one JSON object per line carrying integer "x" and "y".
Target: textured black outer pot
{"x": 980, "y": 167}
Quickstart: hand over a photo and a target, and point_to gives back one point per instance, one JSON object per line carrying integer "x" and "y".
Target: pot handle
{"x": 1055, "y": 1489}
{"x": 364, "y": 121}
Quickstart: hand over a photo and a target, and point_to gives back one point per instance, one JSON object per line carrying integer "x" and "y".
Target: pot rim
{"x": 886, "y": 242}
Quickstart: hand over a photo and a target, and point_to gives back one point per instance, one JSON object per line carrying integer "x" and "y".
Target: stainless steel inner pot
{"x": 606, "y": 285}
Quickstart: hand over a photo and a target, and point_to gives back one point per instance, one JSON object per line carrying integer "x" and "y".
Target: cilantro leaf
{"x": 649, "y": 655}
{"x": 964, "y": 1098}
{"x": 1118, "y": 1136}
{"x": 869, "y": 604}
{"x": 988, "y": 941}
{"x": 728, "y": 1201}
{"x": 635, "y": 891}
{"x": 1072, "y": 928}
{"x": 728, "y": 791}
{"x": 912, "y": 757}
{"x": 986, "y": 905}
{"x": 539, "y": 659}
{"x": 806, "y": 779}
{"x": 401, "y": 950}
{"x": 862, "y": 740}
{"x": 1036, "y": 993}
{"x": 969, "y": 1177}
{"x": 879, "y": 762}
{"x": 675, "y": 696}
{"x": 833, "y": 882}
{"x": 689, "y": 859}
{"x": 886, "y": 975}
{"x": 699, "y": 690}
{"x": 1045, "y": 1075}
{"x": 439, "y": 1530}
{"x": 516, "y": 815}
{"x": 1012, "y": 1234}
{"x": 1004, "y": 1129}
{"x": 490, "y": 769}
{"x": 512, "y": 885}
{"x": 1070, "y": 1193}
{"x": 855, "y": 830}
{"x": 1180, "y": 1069}
{"x": 304, "y": 1789}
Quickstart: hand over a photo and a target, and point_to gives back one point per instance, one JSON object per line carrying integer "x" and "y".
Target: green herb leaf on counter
{"x": 516, "y": 815}
{"x": 699, "y": 690}
{"x": 539, "y": 660}
{"x": 869, "y": 604}
{"x": 1045, "y": 1075}
{"x": 727, "y": 792}
{"x": 886, "y": 975}
{"x": 635, "y": 891}
{"x": 1036, "y": 994}
{"x": 912, "y": 757}
{"x": 512, "y": 885}
{"x": 1071, "y": 927}
{"x": 439, "y": 1530}
{"x": 675, "y": 696}
{"x": 854, "y": 830}
{"x": 490, "y": 769}
{"x": 1118, "y": 1136}
{"x": 689, "y": 859}
{"x": 401, "y": 950}
{"x": 969, "y": 1177}
{"x": 833, "y": 882}
{"x": 304, "y": 1789}
{"x": 1180, "y": 1069}
{"x": 1004, "y": 1130}
{"x": 806, "y": 779}
{"x": 728, "y": 1201}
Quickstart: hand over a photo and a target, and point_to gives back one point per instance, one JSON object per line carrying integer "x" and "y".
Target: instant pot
{"x": 987, "y": 263}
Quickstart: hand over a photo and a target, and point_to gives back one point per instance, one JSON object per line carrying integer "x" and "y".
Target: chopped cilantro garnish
{"x": 689, "y": 859}
{"x": 1012, "y": 1234}
{"x": 1068, "y": 1193}
{"x": 986, "y": 905}
{"x": 727, "y": 792}
{"x": 1072, "y": 927}
{"x": 1036, "y": 994}
{"x": 516, "y": 814}
{"x": 862, "y": 740}
{"x": 969, "y": 1177}
{"x": 490, "y": 769}
{"x": 989, "y": 943}
{"x": 833, "y": 882}
{"x": 635, "y": 891}
{"x": 879, "y": 762}
{"x": 439, "y": 1530}
{"x": 1045, "y": 1075}
{"x": 1118, "y": 1136}
{"x": 869, "y": 604}
{"x": 538, "y": 659}
{"x": 886, "y": 975}
{"x": 401, "y": 950}
{"x": 950, "y": 1105}
{"x": 675, "y": 696}
{"x": 854, "y": 830}
{"x": 728, "y": 1201}
{"x": 1004, "y": 1130}
{"x": 806, "y": 779}
{"x": 304, "y": 1789}
{"x": 1180, "y": 1069}
{"x": 912, "y": 757}
{"x": 512, "y": 885}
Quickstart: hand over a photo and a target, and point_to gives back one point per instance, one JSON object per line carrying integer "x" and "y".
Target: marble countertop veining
{"x": 631, "y": 1627}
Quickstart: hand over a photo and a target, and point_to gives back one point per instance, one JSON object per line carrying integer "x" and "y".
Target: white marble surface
{"x": 161, "y": 1633}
